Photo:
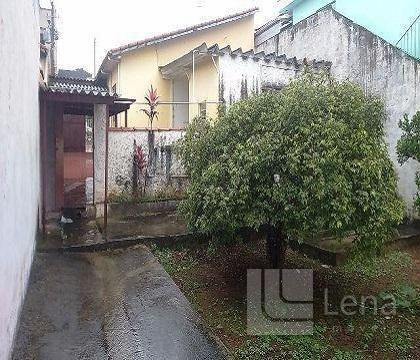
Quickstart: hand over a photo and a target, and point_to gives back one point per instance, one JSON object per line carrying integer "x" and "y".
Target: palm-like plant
{"x": 140, "y": 168}
{"x": 152, "y": 100}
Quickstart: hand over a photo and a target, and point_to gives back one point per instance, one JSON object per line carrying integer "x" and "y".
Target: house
{"x": 48, "y": 38}
{"x": 131, "y": 69}
{"x": 196, "y": 71}
{"x": 237, "y": 74}
{"x": 357, "y": 54}
{"x": 396, "y": 22}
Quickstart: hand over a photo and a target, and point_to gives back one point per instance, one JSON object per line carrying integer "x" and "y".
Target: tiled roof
{"x": 203, "y": 50}
{"x": 74, "y": 74}
{"x": 278, "y": 59}
{"x": 185, "y": 31}
{"x": 77, "y": 86}
{"x": 171, "y": 35}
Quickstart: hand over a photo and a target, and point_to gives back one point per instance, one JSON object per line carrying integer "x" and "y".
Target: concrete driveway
{"x": 118, "y": 304}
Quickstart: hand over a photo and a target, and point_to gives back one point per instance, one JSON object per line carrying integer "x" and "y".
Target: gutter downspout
{"x": 118, "y": 89}
{"x": 118, "y": 79}
{"x": 193, "y": 75}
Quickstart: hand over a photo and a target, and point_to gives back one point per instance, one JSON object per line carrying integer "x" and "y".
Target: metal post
{"x": 106, "y": 174}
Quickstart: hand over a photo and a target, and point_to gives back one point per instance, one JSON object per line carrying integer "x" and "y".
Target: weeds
{"x": 127, "y": 197}
{"x": 371, "y": 268}
{"x": 365, "y": 338}
{"x": 174, "y": 261}
{"x": 398, "y": 341}
{"x": 407, "y": 297}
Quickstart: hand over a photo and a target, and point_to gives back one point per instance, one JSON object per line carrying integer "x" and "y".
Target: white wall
{"x": 99, "y": 132}
{"x": 19, "y": 157}
{"x": 240, "y": 78}
{"x": 241, "y": 75}
{"x": 360, "y": 56}
{"x": 165, "y": 169}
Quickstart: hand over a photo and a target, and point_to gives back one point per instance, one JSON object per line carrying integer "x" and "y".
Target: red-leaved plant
{"x": 140, "y": 168}
{"x": 152, "y": 100}
{"x": 140, "y": 158}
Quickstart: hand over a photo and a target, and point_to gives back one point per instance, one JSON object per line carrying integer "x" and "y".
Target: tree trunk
{"x": 276, "y": 246}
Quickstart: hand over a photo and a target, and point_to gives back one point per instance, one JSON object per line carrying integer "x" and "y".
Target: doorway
{"x": 180, "y": 107}
{"x": 78, "y": 161}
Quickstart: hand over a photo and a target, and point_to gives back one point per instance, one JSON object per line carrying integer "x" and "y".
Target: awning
{"x": 183, "y": 64}
{"x": 79, "y": 96}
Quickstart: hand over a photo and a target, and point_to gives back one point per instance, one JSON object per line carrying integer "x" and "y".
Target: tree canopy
{"x": 308, "y": 159}
{"x": 408, "y": 146}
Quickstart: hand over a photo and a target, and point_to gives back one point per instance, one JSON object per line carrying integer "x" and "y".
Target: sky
{"x": 115, "y": 23}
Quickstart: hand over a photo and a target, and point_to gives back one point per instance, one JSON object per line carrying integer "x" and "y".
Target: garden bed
{"x": 214, "y": 280}
{"x": 136, "y": 209}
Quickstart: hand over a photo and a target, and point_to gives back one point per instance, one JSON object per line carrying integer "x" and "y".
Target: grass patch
{"x": 315, "y": 347}
{"x": 174, "y": 261}
{"x": 214, "y": 280}
{"x": 406, "y": 296}
{"x": 127, "y": 196}
{"x": 386, "y": 265}
{"x": 398, "y": 342}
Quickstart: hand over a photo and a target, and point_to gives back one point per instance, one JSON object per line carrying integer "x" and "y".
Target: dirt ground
{"x": 214, "y": 280}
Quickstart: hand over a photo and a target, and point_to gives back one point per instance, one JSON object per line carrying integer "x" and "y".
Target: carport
{"x": 63, "y": 108}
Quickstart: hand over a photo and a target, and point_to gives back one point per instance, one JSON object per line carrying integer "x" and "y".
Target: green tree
{"x": 408, "y": 146}
{"x": 307, "y": 160}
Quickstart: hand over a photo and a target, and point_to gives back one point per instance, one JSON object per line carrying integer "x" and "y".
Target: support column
{"x": 59, "y": 158}
{"x": 100, "y": 122}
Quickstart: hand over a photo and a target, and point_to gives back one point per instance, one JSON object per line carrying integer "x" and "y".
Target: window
{"x": 203, "y": 109}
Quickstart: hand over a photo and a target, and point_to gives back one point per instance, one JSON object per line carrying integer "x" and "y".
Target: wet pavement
{"x": 117, "y": 304}
{"x": 84, "y": 234}
{"x": 152, "y": 225}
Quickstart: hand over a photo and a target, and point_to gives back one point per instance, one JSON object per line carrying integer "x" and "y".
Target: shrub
{"x": 309, "y": 159}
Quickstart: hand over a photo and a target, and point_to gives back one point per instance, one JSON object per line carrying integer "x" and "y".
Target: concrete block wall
{"x": 164, "y": 167}
{"x": 19, "y": 158}
{"x": 244, "y": 74}
{"x": 240, "y": 77}
{"x": 360, "y": 56}
{"x": 100, "y": 119}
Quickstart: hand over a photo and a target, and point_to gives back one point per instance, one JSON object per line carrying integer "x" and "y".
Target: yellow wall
{"x": 139, "y": 69}
{"x": 206, "y": 88}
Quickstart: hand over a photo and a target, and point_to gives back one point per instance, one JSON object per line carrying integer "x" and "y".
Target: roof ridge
{"x": 182, "y": 30}
{"x": 203, "y": 51}
{"x": 72, "y": 78}
{"x": 261, "y": 55}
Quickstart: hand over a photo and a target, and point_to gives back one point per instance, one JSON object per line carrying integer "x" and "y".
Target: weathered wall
{"x": 241, "y": 77}
{"x": 164, "y": 168}
{"x": 383, "y": 18}
{"x": 244, "y": 74}
{"x": 19, "y": 158}
{"x": 100, "y": 119}
{"x": 360, "y": 56}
